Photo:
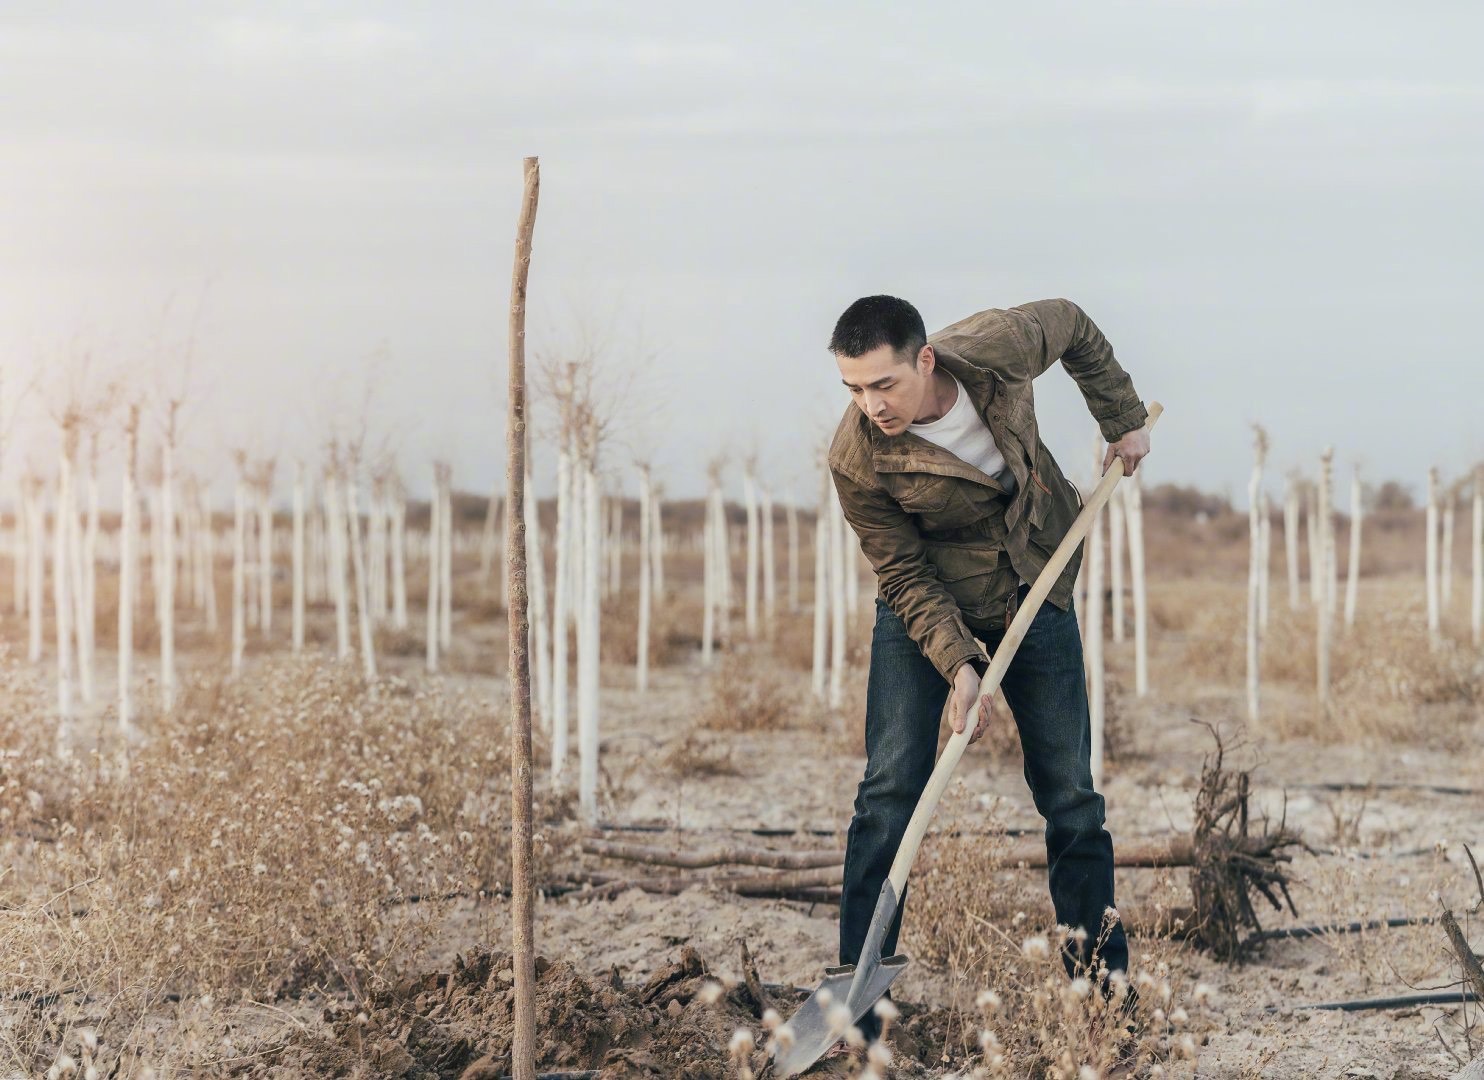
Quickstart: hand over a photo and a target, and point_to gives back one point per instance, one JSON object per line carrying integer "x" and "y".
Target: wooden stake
{"x": 523, "y": 1050}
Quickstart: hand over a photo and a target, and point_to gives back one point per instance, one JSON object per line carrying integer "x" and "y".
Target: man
{"x": 941, "y": 471}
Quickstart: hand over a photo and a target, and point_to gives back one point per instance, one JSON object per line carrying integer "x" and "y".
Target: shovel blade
{"x": 813, "y": 1033}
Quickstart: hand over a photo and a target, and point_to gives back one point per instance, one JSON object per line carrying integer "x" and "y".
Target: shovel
{"x": 847, "y": 992}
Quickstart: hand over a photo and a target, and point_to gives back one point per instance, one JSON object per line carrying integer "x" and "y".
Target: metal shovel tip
{"x": 837, "y": 1003}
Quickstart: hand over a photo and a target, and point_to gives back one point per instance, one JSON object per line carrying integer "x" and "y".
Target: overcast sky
{"x": 1273, "y": 210}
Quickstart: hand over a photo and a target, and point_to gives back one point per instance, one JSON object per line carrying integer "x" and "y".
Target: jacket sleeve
{"x": 908, "y": 582}
{"x": 1058, "y": 329}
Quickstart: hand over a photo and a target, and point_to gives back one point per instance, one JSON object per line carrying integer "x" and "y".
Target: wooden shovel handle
{"x": 1014, "y": 634}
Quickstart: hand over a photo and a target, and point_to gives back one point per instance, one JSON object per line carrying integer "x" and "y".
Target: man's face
{"x": 888, "y": 389}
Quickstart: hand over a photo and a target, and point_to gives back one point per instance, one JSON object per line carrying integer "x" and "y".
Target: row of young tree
{"x": 1309, "y": 508}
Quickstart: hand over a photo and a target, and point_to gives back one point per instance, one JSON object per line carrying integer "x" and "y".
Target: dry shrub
{"x": 1389, "y": 682}
{"x": 1019, "y": 1013}
{"x": 697, "y": 756}
{"x": 744, "y": 693}
{"x": 793, "y": 640}
{"x": 263, "y": 838}
{"x": 674, "y": 632}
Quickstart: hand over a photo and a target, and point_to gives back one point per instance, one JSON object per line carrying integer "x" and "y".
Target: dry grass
{"x": 989, "y": 925}
{"x": 744, "y": 696}
{"x": 262, "y": 841}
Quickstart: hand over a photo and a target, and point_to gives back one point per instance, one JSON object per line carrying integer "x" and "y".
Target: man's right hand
{"x": 963, "y": 700}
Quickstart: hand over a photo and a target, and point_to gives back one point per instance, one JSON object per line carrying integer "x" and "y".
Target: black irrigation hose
{"x": 1289, "y": 932}
{"x": 1439, "y": 789}
{"x": 1442, "y": 997}
{"x": 608, "y": 826}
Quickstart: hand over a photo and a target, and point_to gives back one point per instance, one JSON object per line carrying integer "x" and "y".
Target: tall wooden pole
{"x": 523, "y": 1051}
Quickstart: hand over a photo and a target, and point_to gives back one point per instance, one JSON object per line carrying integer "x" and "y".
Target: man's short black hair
{"x": 873, "y": 321}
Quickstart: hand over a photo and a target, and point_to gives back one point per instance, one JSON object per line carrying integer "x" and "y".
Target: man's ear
{"x": 926, "y": 360}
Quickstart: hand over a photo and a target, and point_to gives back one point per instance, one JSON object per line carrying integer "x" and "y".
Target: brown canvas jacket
{"x": 948, "y": 542}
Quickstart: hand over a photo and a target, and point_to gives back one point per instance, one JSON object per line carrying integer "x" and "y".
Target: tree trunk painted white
{"x": 792, "y": 519}
{"x": 1445, "y": 552}
{"x": 20, "y": 553}
{"x": 61, "y": 595}
{"x": 1431, "y": 559}
{"x": 445, "y": 564}
{"x": 339, "y": 592}
{"x": 657, "y": 545}
{"x": 435, "y": 574}
{"x": 1093, "y": 647}
{"x": 1254, "y": 580}
{"x": 128, "y": 568}
{"x": 641, "y": 649}
{"x": 567, "y": 537}
{"x": 1322, "y": 531}
{"x": 1117, "y": 532}
{"x": 770, "y": 575}
{"x": 540, "y": 629}
{"x": 822, "y": 533}
{"x": 1477, "y": 551}
{"x": 1134, "y": 508}
{"x": 1352, "y": 571}
{"x": 839, "y": 556}
{"x": 588, "y": 643}
{"x": 1265, "y": 572}
{"x": 77, "y": 556}
{"x": 208, "y": 560}
{"x": 90, "y": 577}
{"x": 1291, "y": 540}
{"x": 376, "y": 550}
{"x": 399, "y": 556}
{"x": 749, "y": 501}
{"x": 711, "y": 574}
{"x": 36, "y": 564}
{"x": 297, "y": 603}
{"x": 1315, "y": 536}
{"x": 239, "y": 573}
{"x": 265, "y": 551}
{"x": 167, "y": 568}
{"x": 724, "y": 569}
{"x": 358, "y": 574}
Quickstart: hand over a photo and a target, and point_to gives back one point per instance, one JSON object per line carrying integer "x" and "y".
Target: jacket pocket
{"x": 978, "y": 578}
{"x": 925, "y": 494}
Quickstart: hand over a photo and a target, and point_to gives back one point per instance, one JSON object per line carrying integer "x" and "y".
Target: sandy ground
{"x": 1386, "y": 851}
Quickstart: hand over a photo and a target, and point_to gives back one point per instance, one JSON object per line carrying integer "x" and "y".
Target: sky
{"x": 299, "y": 219}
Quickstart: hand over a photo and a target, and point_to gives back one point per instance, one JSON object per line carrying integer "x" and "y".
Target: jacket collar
{"x": 982, "y": 385}
{"x": 909, "y": 452}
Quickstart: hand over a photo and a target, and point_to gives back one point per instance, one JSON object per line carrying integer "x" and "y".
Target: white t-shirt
{"x": 962, "y": 432}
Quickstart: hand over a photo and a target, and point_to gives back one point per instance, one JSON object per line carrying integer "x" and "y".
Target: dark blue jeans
{"x": 1046, "y": 691}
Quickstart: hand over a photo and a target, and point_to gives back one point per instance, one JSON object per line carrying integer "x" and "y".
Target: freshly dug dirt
{"x": 457, "y": 1025}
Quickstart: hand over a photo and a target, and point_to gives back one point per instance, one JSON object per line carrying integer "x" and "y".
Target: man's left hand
{"x": 1131, "y": 448}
